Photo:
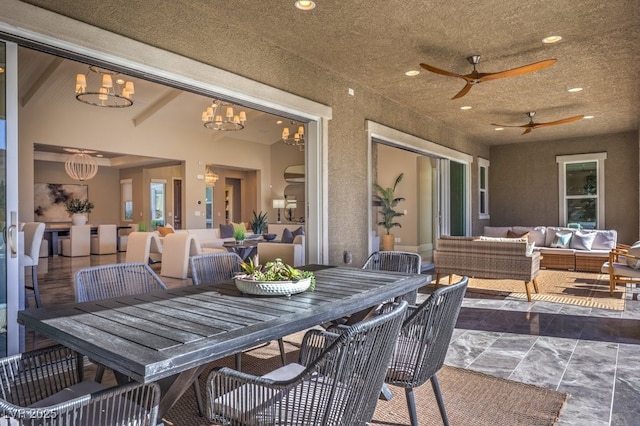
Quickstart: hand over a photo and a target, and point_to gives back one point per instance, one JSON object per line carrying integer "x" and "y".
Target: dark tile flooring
{"x": 591, "y": 354}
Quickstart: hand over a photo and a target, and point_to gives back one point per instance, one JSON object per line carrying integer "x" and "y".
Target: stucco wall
{"x": 524, "y": 181}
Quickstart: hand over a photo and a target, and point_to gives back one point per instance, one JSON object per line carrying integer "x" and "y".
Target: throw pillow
{"x": 582, "y": 240}
{"x": 165, "y": 230}
{"x": 287, "y": 236}
{"x": 298, "y": 231}
{"x": 634, "y": 250}
{"x": 226, "y": 231}
{"x": 562, "y": 239}
{"x": 511, "y": 234}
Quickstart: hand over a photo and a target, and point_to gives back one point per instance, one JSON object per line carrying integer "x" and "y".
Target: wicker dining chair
{"x": 423, "y": 342}
{"x": 45, "y": 387}
{"x": 336, "y": 382}
{"x": 216, "y": 267}
{"x": 396, "y": 261}
{"x": 118, "y": 279}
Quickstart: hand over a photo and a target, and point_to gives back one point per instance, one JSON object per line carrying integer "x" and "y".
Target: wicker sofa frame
{"x": 487, "y": 259}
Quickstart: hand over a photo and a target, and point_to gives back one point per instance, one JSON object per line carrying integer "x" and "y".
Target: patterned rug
{"x": 471, "y": 398}
{"x": 572, "y": 288}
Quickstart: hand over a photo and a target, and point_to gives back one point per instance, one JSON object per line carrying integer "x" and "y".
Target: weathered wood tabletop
{"x": 169, "y": 333}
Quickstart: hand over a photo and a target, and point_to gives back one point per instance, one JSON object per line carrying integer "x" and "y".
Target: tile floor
{"x": 592, "y": 354}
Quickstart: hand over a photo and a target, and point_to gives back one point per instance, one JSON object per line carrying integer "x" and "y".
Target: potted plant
{"x": 78, "y": 209}
{"x": 388, "y": 201}
{"x": 273, "y": 279}
{"x": 238, "y": 232}
{"x": 259, "y": 222}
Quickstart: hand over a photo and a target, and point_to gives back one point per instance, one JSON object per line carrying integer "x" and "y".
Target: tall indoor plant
{"x": 388, "y": 201}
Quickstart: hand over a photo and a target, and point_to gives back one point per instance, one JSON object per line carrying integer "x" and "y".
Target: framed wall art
{"x": 49, "y": 199}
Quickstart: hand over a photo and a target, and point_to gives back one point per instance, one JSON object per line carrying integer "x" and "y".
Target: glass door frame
{"x": 14, "y": 277}
{"x": 379, "y": 133}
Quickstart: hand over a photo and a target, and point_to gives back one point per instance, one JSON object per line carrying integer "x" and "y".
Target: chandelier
{"x": 297, "y": 139}
{"x": 80, "y": 166}
{"x": 214, "y": 119}
{"x": 111, "y": 91}
{"x": 210, "y": 178}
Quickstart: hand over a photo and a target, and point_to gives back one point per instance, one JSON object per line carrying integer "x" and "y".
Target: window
{"x": 581, "y": 184}
{"x": 126, "y": 199}
{"x": 483, "y": 188}
{"x": 157, "y": 202}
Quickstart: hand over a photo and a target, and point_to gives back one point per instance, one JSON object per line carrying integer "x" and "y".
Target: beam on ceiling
{"x": 155, "y": 107}
{"x": 39, "y": 82}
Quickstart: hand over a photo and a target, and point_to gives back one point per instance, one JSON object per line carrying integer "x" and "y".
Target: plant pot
{"x": 79, "y": 219}
{"x": 272, "y": 288}
{"x": 387, "y": 242}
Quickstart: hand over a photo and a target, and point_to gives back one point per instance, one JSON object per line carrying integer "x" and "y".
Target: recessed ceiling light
{"x": 465, "y": 107}
{"x": 499, "y": 128}
{"x": 575, "y": 89}
{"x": 99, "y": 155}
{"x": 551, "y": 39}
{"x": 411, "y": 73}
{"x": 588, "y": 117}
{"x": 305, "y": 4}
{"x": 279, "y": 122}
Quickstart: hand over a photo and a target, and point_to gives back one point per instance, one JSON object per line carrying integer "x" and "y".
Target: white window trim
{"x": 483, "y": 164}
{"x": 123, "y": 199}
{"x": 562, "y": 161}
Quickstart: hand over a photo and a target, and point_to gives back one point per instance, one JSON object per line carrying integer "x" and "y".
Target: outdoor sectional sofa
{"x": 564, "y": 248}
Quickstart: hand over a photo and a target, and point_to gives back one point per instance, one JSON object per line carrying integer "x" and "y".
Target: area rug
{"x": 471, "y": 398}
{"x": 572, "y": 288}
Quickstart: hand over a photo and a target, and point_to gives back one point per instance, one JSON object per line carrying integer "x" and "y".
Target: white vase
{"x": 79, "y": 219}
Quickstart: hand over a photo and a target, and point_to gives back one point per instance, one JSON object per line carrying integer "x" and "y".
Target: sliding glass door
{"x": 10, "y": 284}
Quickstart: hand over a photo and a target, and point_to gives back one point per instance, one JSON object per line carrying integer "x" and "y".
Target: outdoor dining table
{"x": 169, "y": 336}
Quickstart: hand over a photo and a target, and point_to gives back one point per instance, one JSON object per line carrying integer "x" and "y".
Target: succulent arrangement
{"x": 274, "y": 271}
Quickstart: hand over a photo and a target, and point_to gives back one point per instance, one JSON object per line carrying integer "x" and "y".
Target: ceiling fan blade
{"x": 507, "y": 125}
{"x": 439, "y": 71}
{"x": 527, "y": 130}
{"x": 518, "y": 71}
{"x": 563, "y": 121}
{"x": 464, "y": 91}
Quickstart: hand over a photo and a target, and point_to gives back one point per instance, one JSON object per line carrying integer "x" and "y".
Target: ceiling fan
{"x": 532, "y": 125}
{"x": 476, "y": 77}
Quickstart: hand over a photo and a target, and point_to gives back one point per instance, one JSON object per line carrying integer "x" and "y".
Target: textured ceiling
{"x": 374, "y": 42}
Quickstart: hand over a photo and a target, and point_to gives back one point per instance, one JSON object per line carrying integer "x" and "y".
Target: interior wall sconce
{"x": 278, "y": 204}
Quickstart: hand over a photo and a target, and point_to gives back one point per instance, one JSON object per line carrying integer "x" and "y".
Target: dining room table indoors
{"x": 169, "y": 336}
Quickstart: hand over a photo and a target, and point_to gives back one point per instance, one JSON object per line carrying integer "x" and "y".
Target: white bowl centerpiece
{"x": 273, "y": 279}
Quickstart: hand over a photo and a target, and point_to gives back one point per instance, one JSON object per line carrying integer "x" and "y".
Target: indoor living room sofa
{"x": 582, "y": 250}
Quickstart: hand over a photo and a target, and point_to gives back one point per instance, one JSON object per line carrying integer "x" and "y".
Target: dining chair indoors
{"x": 78, "y": 243}
{"x": 423, "y": 342}
{"x": 105, "y": 241}
{"x": 336, "y": 381}
{"x": 33, "y": 232}
{"x": 45, "y": 387}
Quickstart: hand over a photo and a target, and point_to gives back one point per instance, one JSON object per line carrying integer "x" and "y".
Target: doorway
{"x": 177, "y": 203}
